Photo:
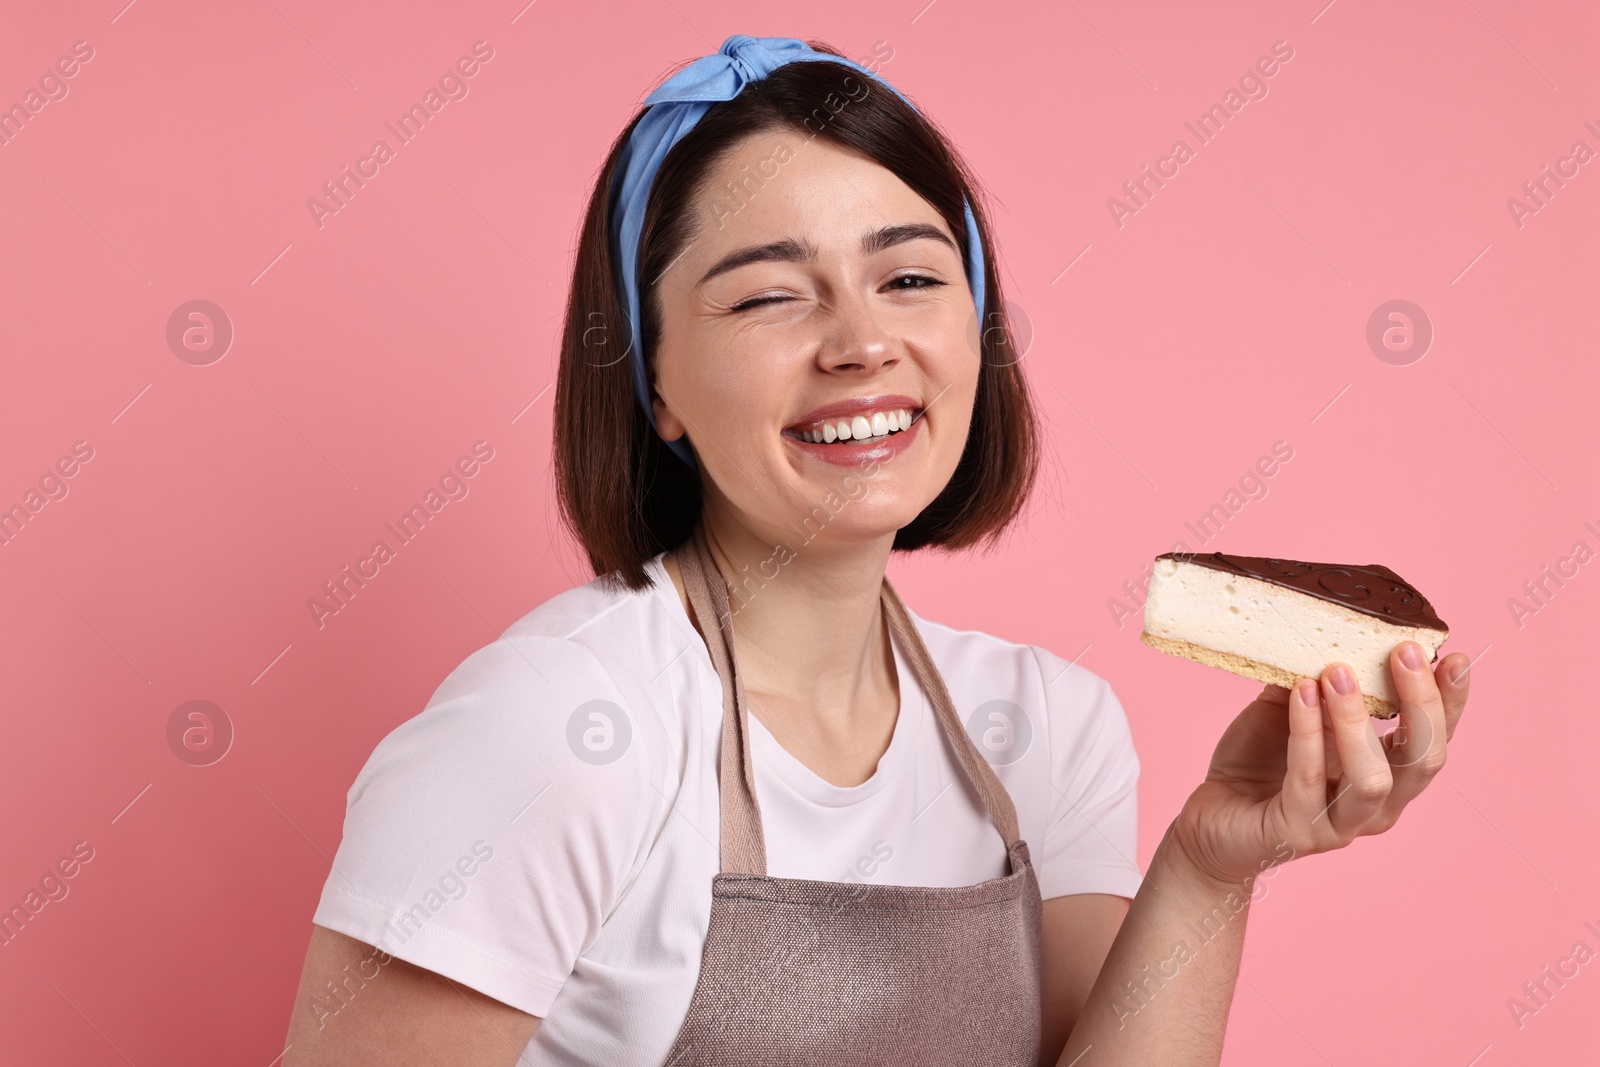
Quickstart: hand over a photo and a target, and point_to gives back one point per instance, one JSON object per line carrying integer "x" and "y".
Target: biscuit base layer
{"x": 1249, "y": 668}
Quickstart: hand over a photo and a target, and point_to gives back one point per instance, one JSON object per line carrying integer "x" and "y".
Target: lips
{"x": 862, "y": 427}
{"x": 856, "y": 441}
{"x": 861, "y": 405}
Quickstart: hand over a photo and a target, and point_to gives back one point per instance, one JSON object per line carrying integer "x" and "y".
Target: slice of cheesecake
{"x": 1277, "y": 620}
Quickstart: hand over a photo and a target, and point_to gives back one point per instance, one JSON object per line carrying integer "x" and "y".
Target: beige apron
{"x": 829, "y": 974}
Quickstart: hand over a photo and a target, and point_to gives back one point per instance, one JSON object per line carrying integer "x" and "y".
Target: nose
{"x": 854, "y": 339}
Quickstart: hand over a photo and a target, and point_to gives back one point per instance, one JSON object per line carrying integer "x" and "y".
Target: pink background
{"x": 369, "y": 354}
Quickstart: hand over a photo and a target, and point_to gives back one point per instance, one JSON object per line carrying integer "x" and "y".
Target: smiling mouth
{"x": 857, "y": 429}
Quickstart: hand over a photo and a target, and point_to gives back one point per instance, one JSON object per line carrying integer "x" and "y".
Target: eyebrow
{"x": 790, "y": 250}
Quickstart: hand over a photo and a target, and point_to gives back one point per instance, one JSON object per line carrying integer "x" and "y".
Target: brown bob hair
{"x": 623, "y": 493}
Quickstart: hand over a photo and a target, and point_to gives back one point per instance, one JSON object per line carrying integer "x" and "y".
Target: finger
{"x": 1416, "y": 747}
{"x": 1330, "y": 750}
{"x": 1454, "y": 678}
{"x": 1366, "y": 778}
{"x": 1275, "y": 694}
{"x": 1305, "y": 782}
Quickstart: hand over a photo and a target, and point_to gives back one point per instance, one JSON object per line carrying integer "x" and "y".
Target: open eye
{"x": 927, "y": 282}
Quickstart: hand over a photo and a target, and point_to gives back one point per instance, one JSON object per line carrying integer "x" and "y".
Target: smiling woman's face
{"x": 858, "y": 293}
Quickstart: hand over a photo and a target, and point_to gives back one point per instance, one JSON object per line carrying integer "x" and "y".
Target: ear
{"x": 668, "y": 426}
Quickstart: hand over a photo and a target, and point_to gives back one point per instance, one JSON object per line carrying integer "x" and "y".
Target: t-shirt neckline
{"x": 767, "y": 755}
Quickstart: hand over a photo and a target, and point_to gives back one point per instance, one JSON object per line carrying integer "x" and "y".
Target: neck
{"x": 806, "y": 618}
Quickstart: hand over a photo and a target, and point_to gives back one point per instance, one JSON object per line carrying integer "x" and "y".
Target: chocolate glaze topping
{"x": 1373, "y": 589}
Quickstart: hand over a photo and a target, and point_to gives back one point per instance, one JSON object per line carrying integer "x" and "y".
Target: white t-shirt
{"x": 545, "y": 831}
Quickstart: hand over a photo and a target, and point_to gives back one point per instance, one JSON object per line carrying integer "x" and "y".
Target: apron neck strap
{"x": 743, "y": 844}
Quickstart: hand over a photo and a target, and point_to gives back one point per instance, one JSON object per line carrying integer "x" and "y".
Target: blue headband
{"x": 673, "y": 110}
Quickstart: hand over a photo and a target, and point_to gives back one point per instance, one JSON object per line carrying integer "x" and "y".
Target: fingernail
{"x": 1343, "y": 682}
{"x": 1308, "y": 692}
{"x": 1411, "y": 655}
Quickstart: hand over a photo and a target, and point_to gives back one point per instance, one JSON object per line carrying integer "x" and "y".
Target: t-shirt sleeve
{"x": 488, "y": 837}
{"x": 1091, "y": 841}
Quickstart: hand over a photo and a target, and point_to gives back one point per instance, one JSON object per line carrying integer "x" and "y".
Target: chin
{"x": 862, "y": 519}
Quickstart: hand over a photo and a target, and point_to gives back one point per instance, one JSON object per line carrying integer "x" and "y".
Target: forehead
{"x": 784, "y": 183}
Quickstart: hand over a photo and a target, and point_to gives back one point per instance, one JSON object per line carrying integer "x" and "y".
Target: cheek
{"x": 957, "y": 370}
{"x": 740, "y": 396}
{"x": 956, "y": 358}
{"x": 746, "y": 380}
{"x": 973, "y": 335}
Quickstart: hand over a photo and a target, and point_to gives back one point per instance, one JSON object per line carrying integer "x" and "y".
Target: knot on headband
{"x": 673, "y": 109}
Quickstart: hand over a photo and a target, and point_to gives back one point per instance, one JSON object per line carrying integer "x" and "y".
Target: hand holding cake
{"x": 1302, "y": 769}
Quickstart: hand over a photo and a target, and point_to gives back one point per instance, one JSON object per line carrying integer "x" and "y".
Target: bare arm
{"x": 1077, "y": 935}
{"x": 1164, "y": 992}
{"x": 360, "y": 1007}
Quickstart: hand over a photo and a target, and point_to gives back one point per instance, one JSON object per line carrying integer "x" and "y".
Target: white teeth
{"x": 859, "y": 427}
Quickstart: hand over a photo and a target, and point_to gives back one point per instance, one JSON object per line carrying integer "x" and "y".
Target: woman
{"x": 731, "y": 802}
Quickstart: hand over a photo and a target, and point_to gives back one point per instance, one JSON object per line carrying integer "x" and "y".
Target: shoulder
{"x": 586, "y": 640}
{"x": 973, "y": 657}
{"x": 1082, "y": 722}
{"x": 570, "y": 675}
